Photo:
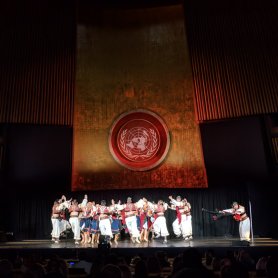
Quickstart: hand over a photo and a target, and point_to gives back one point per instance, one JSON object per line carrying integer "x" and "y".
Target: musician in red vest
{"x": 239, "y": 214}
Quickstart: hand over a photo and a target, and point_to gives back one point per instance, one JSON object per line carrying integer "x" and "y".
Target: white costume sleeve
{"x": 60, "y": 207}
{"x": 93, "y": 210}
{"x": 64, "y": 205}
{"x": 140, "y": 203}
{"x": 229, "y": 210}
{"x": 174, "y": 202}
{"x": 151, "y": 205}
{"x": 119, "y": 207}
{"x": 240, "y": 210}
{"x": 84, "y": 203}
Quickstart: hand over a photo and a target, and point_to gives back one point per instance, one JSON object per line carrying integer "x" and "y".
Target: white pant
{"x": 131, "y": 224}
{"x": 75, "y": 226}
{"x": 105, "y": 227}
{"x": 244, "y": 229}
{"x": 64, "y": 225}
{"x": 56, "y": 231}
{"x": 160, "y": 227}
{"x": 184, "y": 228}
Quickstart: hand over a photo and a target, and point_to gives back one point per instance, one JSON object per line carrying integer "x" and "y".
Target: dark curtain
{"x": 28, "y": 213}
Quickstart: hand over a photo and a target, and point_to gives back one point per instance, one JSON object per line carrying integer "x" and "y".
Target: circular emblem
{"x": 139, "y": 140}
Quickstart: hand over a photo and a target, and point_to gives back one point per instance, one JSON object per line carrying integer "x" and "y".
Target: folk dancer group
{"x": 89, "y": 220}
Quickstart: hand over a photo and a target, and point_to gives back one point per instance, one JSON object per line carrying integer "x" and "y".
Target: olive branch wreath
{"x": 150, "y": 151}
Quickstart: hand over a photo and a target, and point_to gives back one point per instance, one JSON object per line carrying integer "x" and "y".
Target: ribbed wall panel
{"x": 37, "y": 69}
{"x": 233, "y": 49}
{"x": 1, "y": 157}
{"x": 274, "y": 142}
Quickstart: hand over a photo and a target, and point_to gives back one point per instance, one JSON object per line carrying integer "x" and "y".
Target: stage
{"x": 67, "y": 248}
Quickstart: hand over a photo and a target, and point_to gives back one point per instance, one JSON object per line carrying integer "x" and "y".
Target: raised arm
{"x": 232, "y": 211}
{"x": 165, "y": 205}
{"x": 174, "y": 202}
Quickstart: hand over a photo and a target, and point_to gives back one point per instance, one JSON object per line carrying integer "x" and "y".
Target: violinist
{"x": 239, "y": 214}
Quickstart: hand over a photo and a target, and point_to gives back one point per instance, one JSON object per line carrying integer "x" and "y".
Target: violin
{"x": 237, "y": 217}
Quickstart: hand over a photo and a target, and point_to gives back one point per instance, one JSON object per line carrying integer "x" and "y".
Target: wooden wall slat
{"x": 233, "y": 47}
{"x": 38, "y": 43}
{"x": 233, "y": 50}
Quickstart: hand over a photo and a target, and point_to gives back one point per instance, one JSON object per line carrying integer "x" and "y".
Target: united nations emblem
{"x": 139, "y": 140}
{"x": 139, "y": 143}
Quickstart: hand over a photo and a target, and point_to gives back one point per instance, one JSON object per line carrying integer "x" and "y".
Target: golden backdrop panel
{"x": 127, "y": 60}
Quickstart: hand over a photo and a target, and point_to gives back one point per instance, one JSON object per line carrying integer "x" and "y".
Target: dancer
{"x": 182, "y": 226}
{"x": 74, "y": 210}
{"x": 94, "y": 226}
{"x": 85, "y": 222}
{"x": 105, "y": 221}
{"x": 239, "y": 214}
{"x": 145, "y": 215}
{"x": 58, "y": 218}
{"x": 159, "y": 225}
{"x": 55, "y": 219}
{"x": 116, "y": 221}
{"x": 129, "y": 218}
{"x": 63, "y": 207}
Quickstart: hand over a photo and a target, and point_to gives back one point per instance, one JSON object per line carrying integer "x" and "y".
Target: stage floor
{"x": 156, "y": 243}
{"x": 219, "y": 244}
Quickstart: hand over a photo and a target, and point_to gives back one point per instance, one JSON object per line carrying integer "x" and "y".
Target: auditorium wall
{"x": 130, "y": 59}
